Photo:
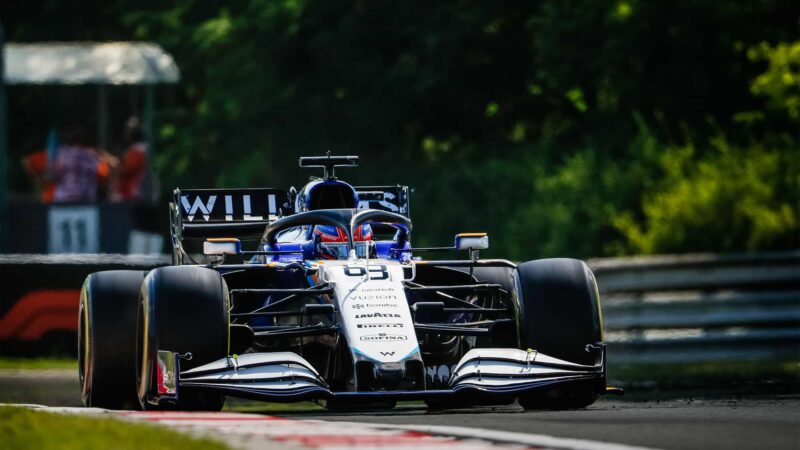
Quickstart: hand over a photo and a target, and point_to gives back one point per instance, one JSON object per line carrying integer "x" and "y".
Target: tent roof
{"x": 88, "y": 63}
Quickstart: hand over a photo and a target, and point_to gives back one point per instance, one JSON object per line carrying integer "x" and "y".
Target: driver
{"x": 332, "y": 241}
{"x": 329, "y": 242}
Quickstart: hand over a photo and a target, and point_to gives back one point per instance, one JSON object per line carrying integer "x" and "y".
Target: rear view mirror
{"x": 472, "y": 241}
{"x": 222, "y": 246}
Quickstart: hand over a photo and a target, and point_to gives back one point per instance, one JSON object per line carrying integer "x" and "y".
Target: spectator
{"x": 133, "y": 164}
{"x": 78, "y": 168}
{"x": 35, "y": 165}
{"x": 70, "y": 171}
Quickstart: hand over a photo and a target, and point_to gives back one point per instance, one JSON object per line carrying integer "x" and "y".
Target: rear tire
{"x": 559, "y": 315}
{"x": 107, "y": 339}
{"x": 182, "y": 309}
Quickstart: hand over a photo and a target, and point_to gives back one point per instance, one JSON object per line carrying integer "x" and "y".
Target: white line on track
{"x": 252, "y": 431}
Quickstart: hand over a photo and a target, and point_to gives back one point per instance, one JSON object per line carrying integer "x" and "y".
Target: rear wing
{"x": 385, "y": 198}
{"x": 245, "y": 213}
{"x": 242, "y": 213}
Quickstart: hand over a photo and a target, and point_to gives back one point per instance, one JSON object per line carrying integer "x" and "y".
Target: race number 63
{"x": 375, "y": 272}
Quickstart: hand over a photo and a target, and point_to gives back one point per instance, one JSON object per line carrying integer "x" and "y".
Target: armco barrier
{"x": 701, "y": 307}
{"x": 663, "y": 308}
{"x": 39, "y": 296}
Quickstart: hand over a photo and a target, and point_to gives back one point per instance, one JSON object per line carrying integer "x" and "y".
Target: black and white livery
{"x": 319, "y": 294}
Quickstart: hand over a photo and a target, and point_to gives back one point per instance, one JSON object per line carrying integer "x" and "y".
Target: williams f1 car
{"x": 333, "y": 303}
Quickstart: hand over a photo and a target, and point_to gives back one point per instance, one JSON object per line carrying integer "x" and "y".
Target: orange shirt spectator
{"x": 133, "y": 169}
{"x": 35, "y": 165}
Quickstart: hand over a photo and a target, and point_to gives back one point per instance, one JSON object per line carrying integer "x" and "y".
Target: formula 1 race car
{"x": 334, "y": 304}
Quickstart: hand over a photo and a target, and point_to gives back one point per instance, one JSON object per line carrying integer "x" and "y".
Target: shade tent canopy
{"x": 114, "y": 63}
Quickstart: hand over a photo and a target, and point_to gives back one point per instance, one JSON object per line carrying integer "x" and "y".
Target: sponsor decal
{"x": 387, "y": 353}
{"x": 383, "y": 337}
{"x": 232, "y": 205}
{"x": 377, "y": 315}
{"x": 386, "y": 198}
{"x": 374, "y": 297}
{"x": 375, "y": 293}
{"x": 380, "y": 325}
{"x": 373, "y": 305}
{"x": 438, "y": 374}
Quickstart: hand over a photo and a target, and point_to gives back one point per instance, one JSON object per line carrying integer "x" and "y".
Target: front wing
{"x": 287, "y": 377}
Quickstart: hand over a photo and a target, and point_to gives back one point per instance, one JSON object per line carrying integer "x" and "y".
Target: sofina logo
{"x": 383, "y": 337}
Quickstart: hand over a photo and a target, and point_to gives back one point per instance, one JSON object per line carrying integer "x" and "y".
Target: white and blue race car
{"x": 334, "y": 304}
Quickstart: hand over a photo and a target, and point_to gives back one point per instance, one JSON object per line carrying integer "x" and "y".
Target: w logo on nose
{"x": 387, "y": 353}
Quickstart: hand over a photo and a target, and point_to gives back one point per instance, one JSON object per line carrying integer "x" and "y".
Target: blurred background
{"x": 586, "y": 129}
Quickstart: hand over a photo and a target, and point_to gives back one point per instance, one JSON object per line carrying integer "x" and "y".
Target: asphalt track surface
{"x": 754, "y": 423}
{"x": 763, "y": 422}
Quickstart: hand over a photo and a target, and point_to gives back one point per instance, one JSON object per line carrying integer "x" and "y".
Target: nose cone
{"x": 390, "y": 373}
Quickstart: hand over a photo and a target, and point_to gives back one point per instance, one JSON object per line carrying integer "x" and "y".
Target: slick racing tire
{"x": 181, "y": 309}
{"x": 559, "y": 315}
{"x": 107, "y": 338}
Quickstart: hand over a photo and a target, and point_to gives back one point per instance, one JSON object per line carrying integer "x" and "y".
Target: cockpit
{"x": 326, "y": 241}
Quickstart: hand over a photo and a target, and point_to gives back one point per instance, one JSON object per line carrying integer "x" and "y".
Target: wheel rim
{"x": 84, "y": 348}
{"x": 142, "y": 361}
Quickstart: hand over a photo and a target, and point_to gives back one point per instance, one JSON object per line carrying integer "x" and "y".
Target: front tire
{"x": 107, "y": 339}
{"x": 182, "y": 309}
{"x": 559, "y": 315}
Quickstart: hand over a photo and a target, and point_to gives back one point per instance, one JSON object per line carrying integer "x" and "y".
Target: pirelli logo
{"x": 380, "y": 325}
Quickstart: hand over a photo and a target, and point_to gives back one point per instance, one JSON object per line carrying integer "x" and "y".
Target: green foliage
{"x": 572, "y": 128}
{"x": 780, "y": 83}
{"x": 731, "y": 199}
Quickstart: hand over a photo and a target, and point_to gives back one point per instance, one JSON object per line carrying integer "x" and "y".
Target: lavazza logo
{"x": 383, "y": 337}
{"x": 377, "y": 315}
{"x": 380, "y": 325}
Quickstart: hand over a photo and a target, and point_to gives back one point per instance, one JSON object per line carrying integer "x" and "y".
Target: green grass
{"x": 22, "y": 428}
{"x": 37, "y": 363}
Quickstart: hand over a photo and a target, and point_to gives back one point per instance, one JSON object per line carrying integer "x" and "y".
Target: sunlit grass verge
{"x": 23, "y": 428}
{"x": 9, "y": 363}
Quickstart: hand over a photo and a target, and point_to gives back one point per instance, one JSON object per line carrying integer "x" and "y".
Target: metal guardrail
{"x": 656, "y": 309}
{"x": 701, "y": 307}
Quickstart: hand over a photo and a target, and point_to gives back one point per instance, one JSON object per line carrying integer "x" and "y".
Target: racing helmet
{"x": 333, "y": 194}
{"x": 332, "y": 241}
